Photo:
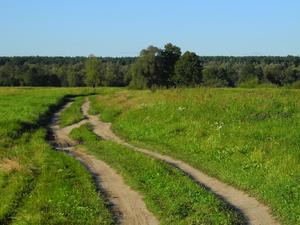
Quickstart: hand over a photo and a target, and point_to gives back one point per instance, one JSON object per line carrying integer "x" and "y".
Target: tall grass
{"x": 172, "y": 196}
{"x": 248, "y": 138}
{"x": 37, "y": 184}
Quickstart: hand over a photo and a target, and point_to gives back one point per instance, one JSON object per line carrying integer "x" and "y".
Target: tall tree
{"x": 188, "y": 70}
{"x": 144, "y": 71}
{"x": 113, "y": 75}
{"x": 245, "y": 72}
{"x": 93, "y": 71}
{"x": 7, "y": 75}
{"x": 166, "y": 61}
{"x": 274, "y": 73}
{"x": 214, "y": 76}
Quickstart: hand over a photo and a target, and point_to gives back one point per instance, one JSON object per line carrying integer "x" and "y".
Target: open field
{"x": 171, "y": 195}
{"x": 39, "y": 185}
{"x": 248, "y": 138}
{"x": 150, "y": 113}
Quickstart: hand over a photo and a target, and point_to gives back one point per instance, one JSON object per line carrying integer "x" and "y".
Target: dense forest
{"x": 154, "y": 67}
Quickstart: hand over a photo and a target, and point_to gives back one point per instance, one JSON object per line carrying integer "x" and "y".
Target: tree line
{"x": 154, "y": 67}
{"x": 168, "y": 67}
{"x": 61, "y": 71}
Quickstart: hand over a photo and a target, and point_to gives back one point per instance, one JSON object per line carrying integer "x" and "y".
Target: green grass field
{"x": 248, "y": 138}
{"x": 172, "y": 196}
{"x": 37, "y": 184}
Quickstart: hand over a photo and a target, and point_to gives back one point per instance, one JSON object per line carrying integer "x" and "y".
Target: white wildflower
{"x": 219, "y": 125}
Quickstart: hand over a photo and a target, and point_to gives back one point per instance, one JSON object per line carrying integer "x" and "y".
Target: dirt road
{"x": 127, "y": 205}
{"x": 254, "y": 212}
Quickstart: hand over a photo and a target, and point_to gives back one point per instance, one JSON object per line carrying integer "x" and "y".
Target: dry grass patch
{"x": 10, "y": 165}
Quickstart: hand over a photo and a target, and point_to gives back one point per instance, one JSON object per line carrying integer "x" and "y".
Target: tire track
{"x": 253, "y": 211}
{"x": 127, "y": 205}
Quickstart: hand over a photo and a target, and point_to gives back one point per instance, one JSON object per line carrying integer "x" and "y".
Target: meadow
{"x": 172, "y": 196}
{"x": 246, "y": 137}
{"x": 37, "y": 184}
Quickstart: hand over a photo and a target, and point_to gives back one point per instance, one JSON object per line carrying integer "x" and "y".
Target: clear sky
{"x": 124, "y": 27}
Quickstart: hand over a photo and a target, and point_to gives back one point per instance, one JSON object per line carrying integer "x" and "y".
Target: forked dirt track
{"x": 127, "y": 205}
{"x": 253, "y": 211}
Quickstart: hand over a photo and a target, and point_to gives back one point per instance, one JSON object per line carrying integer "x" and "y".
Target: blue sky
{"x": 124, "y": 27}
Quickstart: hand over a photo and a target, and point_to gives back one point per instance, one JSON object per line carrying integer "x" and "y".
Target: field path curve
{"x": 127, "y": 205}
{"x": 253, "y": 211}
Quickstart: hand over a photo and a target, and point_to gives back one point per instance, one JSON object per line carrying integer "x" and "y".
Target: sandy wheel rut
{"x": 127, "y": 205}
{"x": 254, "y": 212}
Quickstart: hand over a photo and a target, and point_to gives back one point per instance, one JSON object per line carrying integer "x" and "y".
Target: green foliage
{"x": 169, "y": 193}
{"x": 251, "y": 83}
{"x": 215, "y": 76}
{"x": 114, "y": 75}
{"x": 188, "y": 70}
{"x": 274, "y": 73}
{"x": 144, "y": 70}
{"x": 75, "y": 76}
{"x": 94, "y": 71}
{"x": 296, "y": 84}
{"x": 246, "y": 72}
{"x": 248, "y": 138}
{"x": 154, "y": 67}
{"x": 167, "y": 59}
{"x": 291, "y": 75}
